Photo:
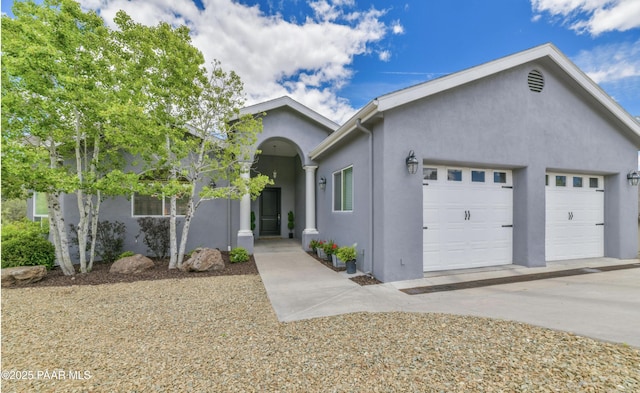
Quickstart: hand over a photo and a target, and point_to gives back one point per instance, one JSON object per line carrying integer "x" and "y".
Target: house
{"x": 523, "y": 160}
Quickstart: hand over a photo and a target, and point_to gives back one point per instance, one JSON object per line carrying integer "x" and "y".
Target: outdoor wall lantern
{"x": 633, "y": 177}
{"x": 275, "y": 173}
{"x": 322, "y": 183}
{"x": 412, "y": 163}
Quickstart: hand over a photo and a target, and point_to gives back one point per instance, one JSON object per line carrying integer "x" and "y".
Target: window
{"x": 561, "y": 181}
{"x": 593, "y": 182}
{"x": 477, "y": 176}
{"x": 147, "y": 205}
{"x": 577, "y": 182}
{"x": 546, "y": 180}
{"x": 430, "y": 173}
{"x": 499, "y": 177}
{"x": 343, "y": 190}
{"x": 40, "y": 205}
{"x": 454, "y": 175}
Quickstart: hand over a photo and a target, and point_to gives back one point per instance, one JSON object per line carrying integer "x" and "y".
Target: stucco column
{"x": 245, "y": 235}
{"x": 310, "y": 231}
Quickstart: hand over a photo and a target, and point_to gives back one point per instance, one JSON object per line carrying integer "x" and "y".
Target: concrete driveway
{"x": 605, "y": 306}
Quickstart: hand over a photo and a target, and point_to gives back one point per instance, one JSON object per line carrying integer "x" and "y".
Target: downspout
{"x": 360, "y": 127}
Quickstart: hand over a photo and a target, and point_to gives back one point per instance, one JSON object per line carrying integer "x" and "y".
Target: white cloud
{"x": 611, "y": 63}
{"x": 396, "y": 27}
{"x": 384, "y": 55}
{"x": 309, "y": 60}
{"x": 592, "y": 16}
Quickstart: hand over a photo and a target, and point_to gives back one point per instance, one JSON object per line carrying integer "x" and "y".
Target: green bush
{"x": 155, "y": 231}
{"x": 238, "y": 254}
{"x": 109, "y": 240}
{"x": 24, "y": 228}
{"x": 126, "y": 254}
{"x": 28, "y": 249}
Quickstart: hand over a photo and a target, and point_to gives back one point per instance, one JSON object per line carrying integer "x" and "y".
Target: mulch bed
{"x": 100, "y": 274}
{"x": 361, "y": 280}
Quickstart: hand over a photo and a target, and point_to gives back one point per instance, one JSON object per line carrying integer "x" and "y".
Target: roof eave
{"x": 286, "y": 101}
{"x": 364, "y": 114}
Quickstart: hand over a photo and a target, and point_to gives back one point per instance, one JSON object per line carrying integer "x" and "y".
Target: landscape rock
{"x": 22, "y": 275}
{"x": 203, "y": 259}
{"x": 132, "y": 265}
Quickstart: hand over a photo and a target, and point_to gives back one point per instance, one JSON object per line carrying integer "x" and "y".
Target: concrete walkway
{"x": 604, "y": 305}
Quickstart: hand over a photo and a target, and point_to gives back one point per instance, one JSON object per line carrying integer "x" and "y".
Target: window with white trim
{"x": 147, "y": 205}
{"x": 343, "y": 190}
{"x": 40, "y": 205}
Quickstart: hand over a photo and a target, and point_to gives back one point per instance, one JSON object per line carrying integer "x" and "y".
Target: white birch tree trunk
{"x": 60, "y": 234}
{"x": 187, "y": 223}
{"x": 82, "y": 229}
{"x": 95, "y": 213}
{"x": 173, "y": 240}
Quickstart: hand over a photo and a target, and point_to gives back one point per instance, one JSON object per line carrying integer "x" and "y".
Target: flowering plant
{"x": 329, "y": 248}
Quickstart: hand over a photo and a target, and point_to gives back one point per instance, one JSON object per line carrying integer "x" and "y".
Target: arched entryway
{"x": 280, "y": 161}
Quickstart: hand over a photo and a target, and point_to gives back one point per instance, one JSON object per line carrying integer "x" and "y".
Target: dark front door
{"x": 270, "y": 212}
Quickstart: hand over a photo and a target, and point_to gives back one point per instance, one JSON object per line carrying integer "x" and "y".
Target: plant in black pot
{"x": 291, "y": 224}
{"x": 348, "y": 254}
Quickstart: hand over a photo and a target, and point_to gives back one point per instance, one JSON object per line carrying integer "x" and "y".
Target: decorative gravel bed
{"x": 219, "y": 334}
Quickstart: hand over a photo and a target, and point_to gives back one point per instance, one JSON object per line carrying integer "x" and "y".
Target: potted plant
{"x": 329, "y": 249}
{"x": 337, "y": 261}
{"x": 320, "y": 250}
{"x": 313, "y": 245}
{"x": 348, "y": 254}
{"x": 291, "y": 224}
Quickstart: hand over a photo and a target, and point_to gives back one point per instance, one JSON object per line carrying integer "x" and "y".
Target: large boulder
{"x": 132, "y": 265}
{"x": 203, "y": 259}
{"x": 22, "y": 275}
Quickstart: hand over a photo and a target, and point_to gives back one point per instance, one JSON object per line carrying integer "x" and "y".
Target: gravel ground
{"x": 219, "y": 334}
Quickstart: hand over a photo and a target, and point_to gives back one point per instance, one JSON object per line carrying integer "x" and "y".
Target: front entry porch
{"x": 291, "y": 194}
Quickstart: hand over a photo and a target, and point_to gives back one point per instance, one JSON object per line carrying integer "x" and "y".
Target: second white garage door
{"x": 574, "y": 216}
{"x": 467, "y": 217}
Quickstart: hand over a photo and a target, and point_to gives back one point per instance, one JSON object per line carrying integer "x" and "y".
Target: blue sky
{"x": 336, "y": 55}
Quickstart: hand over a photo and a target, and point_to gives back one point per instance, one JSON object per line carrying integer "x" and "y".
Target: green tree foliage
{"x": 77, "y": 97}
{"x": 14, "y": 210}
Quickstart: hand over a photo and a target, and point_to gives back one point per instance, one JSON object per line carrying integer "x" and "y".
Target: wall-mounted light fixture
{"x": 275, "y": 173}
{"x": 322, "y": 183}
{"x": 412, "y": 163}
{"x": 633, "y": 177}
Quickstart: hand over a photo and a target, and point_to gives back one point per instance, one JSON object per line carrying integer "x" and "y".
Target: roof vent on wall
{"x": 535, "y": 81}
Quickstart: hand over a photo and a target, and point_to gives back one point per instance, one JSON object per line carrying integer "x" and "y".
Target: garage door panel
{"x": 572, "y": 218}
{"x": 464, "y": 222}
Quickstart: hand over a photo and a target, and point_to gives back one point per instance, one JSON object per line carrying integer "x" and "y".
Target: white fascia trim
{"x": 364, "y": 114}
{"x": 395, "y": 99}
{"x": 293, "y": 104}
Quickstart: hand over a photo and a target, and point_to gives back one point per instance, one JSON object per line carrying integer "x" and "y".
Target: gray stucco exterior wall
{"x": 497, "y": 122}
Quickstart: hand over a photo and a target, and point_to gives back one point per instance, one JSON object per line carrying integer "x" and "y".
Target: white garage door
{"x": 574, "y": 216}
{"x": 467, "y": 217}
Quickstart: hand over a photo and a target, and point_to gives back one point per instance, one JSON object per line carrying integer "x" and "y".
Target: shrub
{"x": 155, "y": 233}
{"x": 238, "y": 254}
{"x": 109, "y": 239}
{"x": 25, "y": 245}
{"x": 347, "y": 253}
{"x": 24, "y": 228}
{"x": 126, "y": 254}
